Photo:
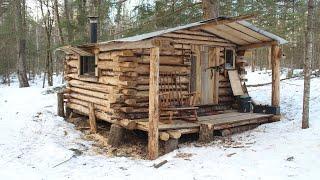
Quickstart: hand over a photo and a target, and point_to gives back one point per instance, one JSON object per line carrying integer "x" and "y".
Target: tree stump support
{"x": 206, "y": 133}
{"x": 170, "y": 145}
{"x": 60, "y": 104}
{"x": 92, "y": 119}
{"x": 116, "y": 135}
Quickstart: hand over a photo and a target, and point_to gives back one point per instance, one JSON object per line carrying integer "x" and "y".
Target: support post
{"x": 116, "y": 135}
{"x": 60, "y": 104}
{"x": 275, "y": 63}
{"x": 206, "y": 133}
{"x": 92, "y": 119}
{"x": 153, "y": 133}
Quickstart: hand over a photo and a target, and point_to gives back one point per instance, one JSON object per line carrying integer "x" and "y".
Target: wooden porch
{"x": 219, "y": 122}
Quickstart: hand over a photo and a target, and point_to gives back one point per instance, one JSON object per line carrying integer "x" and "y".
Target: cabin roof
{"x": 240, "y": 32}
{"x": 234, "y": 29}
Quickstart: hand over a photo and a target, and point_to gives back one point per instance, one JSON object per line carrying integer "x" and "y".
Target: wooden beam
{"x": 153, "y": 133}
{"x": 275, "y": 63}
{"x": 257, "y": 45}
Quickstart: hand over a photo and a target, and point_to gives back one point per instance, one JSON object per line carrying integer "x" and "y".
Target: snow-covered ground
{"x": 34, "y": 141}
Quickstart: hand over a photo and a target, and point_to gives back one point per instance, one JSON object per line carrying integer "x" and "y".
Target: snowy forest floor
{"x": 34, "y": 141}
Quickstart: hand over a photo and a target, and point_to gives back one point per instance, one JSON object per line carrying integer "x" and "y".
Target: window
{"x": 229, "y": 58}
{"x": 87, "y": 65}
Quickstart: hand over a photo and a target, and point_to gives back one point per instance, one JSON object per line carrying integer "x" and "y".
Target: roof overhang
{"x": 74, "y": 50}
{"x": 234, "y": 29}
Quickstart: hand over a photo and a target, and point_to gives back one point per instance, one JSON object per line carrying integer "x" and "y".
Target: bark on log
{"x": 116, "y": 135}
{"x": 206, "y": 133}
{"x": 92, "y": 119}
{"x": 171, "y": 145}
{"x": 60, "y": 104}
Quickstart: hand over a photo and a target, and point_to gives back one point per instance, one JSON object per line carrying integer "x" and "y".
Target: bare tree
{"x": 210, "y": 8}
{"x": 58, "y": 23}
{"x": 48, "y": 24}
{"x": 307, "y": 64}
{"x": 68, "y": 22}
{"x": 20, "y": 21}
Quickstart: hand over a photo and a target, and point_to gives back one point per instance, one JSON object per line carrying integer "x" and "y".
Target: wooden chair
{"x": 176, "y": 102}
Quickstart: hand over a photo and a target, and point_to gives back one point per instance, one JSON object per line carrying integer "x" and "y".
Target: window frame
{"x": 233, "y": 58}
{"x": 92, "y": 72}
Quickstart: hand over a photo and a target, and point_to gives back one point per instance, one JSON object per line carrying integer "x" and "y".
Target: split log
{"x": 93, "y": 86}
{"x": 110, "y": 97}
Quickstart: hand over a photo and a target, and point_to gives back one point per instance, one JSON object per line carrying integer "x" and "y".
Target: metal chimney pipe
{"x": 93, "y": 28}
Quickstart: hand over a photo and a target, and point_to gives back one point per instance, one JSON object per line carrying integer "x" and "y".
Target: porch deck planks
{"x": 229, "y": 120}
{"x": 220, "y": 121}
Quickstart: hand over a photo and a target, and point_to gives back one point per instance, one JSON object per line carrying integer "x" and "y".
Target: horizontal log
{"x": 146, "y": 52}
{"x": 112, "y": 73}
{"x": 110, "y": 97}
{"x": 134, "y": 110}
{"x": 126, "y": 123}
{"x": 94, "y": 86}
{"x": 113, "y": 54}
{"x": 94, "y": 100}
{"x": 112, "y": 65}
{"x": 73, "y": 63}
{"x": 82, "y": 77}
{"x": 164, "y": 60}
{"x": 86, "y": 104}
{"x": 117, "y": 81}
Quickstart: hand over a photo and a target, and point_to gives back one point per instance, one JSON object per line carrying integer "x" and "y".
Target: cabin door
{"x": 208, "y": 75}
{"x": 206, "y": 83}
{"x": 204, "y": 78}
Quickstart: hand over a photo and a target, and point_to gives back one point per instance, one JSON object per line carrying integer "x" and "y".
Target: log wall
{"x": 121, "y": 89}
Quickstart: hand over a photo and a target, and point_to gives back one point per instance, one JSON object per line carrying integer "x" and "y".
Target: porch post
{"x": 275, "y": 63}
{"x": 153, "y": 133}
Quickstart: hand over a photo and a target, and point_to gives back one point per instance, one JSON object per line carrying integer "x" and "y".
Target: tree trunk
{"x": 210, "y": 9}
{"x": 56, "y": 10}
{"x": 307, "y": 64}
{"x": 67, "y": 15}
{"x": 21, "y": 43}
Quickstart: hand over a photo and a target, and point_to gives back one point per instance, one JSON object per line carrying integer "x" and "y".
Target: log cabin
{"x": 181, "y": 80}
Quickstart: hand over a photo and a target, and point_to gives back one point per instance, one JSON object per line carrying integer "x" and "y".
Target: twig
{"x": 65, "y": 161}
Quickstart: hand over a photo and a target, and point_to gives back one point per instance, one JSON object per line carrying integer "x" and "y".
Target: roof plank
{"x": 225, "y": 35}
{"x": 238, "y": 33}
{"x": 246, "y": 30}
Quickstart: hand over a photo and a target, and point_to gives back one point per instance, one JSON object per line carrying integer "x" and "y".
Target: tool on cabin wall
{"x": 219, "y": 69}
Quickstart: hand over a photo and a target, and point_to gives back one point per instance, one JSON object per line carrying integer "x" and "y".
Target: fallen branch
{"x": 160, "y": 164}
